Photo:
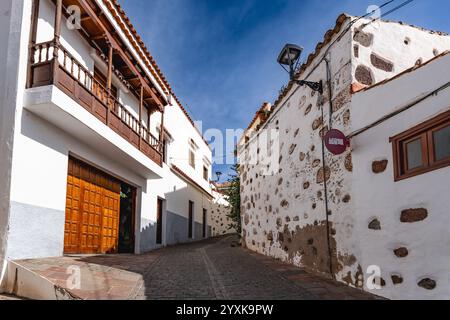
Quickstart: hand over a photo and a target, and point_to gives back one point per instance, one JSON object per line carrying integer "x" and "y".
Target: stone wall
{"x": 218, "y": 216}
{"x": 283, "y": 210}
{"x": 298, "y": 200}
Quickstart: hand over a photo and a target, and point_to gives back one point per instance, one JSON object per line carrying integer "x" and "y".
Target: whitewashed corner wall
{"x": 14, "y": 31}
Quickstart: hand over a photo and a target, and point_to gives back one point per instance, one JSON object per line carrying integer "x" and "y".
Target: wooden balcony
{"x": 76, "y": 81}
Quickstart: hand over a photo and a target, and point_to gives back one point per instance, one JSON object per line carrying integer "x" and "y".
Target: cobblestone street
{"x": 214, "y": 269}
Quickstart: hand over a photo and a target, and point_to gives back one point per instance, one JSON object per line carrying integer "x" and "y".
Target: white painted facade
{"x": 284, "y": 208}
{"x": 426, "y": 241}
{"x": 41, "y": 127}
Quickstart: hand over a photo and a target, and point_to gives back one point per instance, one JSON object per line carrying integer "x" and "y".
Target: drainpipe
{"x": 325, "y": 182}
{"x": 330, "y": 92}
{"x": 325, "y": 187}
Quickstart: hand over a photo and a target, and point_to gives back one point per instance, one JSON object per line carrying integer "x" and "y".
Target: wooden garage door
{"x": 92, "y": 210}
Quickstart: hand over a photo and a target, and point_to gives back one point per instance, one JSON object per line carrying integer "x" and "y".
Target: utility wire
{"x": 388, "y": 12}
{"x": 334, "y": 41}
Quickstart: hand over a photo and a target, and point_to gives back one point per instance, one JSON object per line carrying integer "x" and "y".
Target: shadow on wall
{"x": 177, "y": 223}
{"x": 147, "y": 235}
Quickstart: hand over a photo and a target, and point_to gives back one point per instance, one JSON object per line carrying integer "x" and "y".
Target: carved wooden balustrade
{"x": 70, "y": 76}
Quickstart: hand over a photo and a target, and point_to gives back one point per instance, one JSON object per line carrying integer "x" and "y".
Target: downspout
{"x": 325, "y": 182}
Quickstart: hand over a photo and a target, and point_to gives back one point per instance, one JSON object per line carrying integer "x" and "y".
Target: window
{"x": 205, "y": 173}
{"x": 192, "y": 158}
{"x": 423, "y": 148}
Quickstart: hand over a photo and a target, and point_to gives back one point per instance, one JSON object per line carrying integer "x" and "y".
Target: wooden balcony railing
{"x": 75, "y": 80}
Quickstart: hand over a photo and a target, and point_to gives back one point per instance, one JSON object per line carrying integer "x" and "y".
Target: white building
{"x": 383, "y": 204}
{"x": 97, "y": 154}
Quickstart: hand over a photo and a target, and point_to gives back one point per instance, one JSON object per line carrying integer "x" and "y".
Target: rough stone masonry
{"x": 300, "y": 209}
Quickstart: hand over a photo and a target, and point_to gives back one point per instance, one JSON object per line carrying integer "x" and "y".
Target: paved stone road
{"x": 207, "y": 270}
{"x": 213, "y": 269}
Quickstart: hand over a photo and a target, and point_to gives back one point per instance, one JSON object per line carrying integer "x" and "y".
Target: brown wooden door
{"x": 205, "y": 222}
{"x": 92, "y": 210}
{"x": 159, "y": 222}
{"x": 191, "y": 220}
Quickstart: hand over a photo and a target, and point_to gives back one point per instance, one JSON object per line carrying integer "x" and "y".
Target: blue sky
{"x": 220, "y": 55}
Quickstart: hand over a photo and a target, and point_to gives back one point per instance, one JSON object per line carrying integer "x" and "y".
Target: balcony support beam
{"x": 57, "y": 36}
{"x": 110, "y": 67}
{"x": 161, "y": 133}
{"x": 141, "y": 106}
{"x": 33, "y": 34}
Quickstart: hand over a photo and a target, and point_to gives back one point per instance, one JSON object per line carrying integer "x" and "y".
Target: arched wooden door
{"x": 92, "y": 210}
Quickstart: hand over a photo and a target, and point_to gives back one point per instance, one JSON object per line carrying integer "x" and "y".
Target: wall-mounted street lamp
{"x": 290, "y": 57}
{"x": 218, "y": 174}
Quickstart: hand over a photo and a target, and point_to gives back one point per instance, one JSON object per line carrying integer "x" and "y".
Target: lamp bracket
{"x": 315, "y": 86}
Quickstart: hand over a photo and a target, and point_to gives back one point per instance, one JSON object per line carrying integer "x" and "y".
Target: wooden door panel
{"x": 92, "y": 210}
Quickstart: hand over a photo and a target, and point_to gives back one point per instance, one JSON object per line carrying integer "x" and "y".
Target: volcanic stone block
{"x": 381, "y": 63}
{"x": 375, "y": 225}
{"x": 427, "y": 283}
{"x": 413, "y": 215}
{"x": 379, "y": 166}
{"x": 364, "y": 75}
{"x": 401, "y": 252}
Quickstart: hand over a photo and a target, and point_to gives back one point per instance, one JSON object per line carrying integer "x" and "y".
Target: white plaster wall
{"x": 182, "y": 130}
{"x": 389, "y": 43}
{"x": 130, "y": 103}
{"x": 70, "y": 39}
{"x": 384, "y": 199}
{"x": 14, "y": 31}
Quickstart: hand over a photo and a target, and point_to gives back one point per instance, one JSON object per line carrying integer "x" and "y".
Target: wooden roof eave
{"x": 118, "y": 48}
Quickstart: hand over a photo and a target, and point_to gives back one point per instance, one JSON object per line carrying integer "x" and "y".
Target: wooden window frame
{"x": 425, "y": 132}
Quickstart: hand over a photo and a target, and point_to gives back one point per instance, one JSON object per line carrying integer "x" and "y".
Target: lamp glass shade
{"x": 290, "y": 54}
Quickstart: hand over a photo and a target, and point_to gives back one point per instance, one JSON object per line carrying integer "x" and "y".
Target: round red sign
{"x": 336, "y": 142}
